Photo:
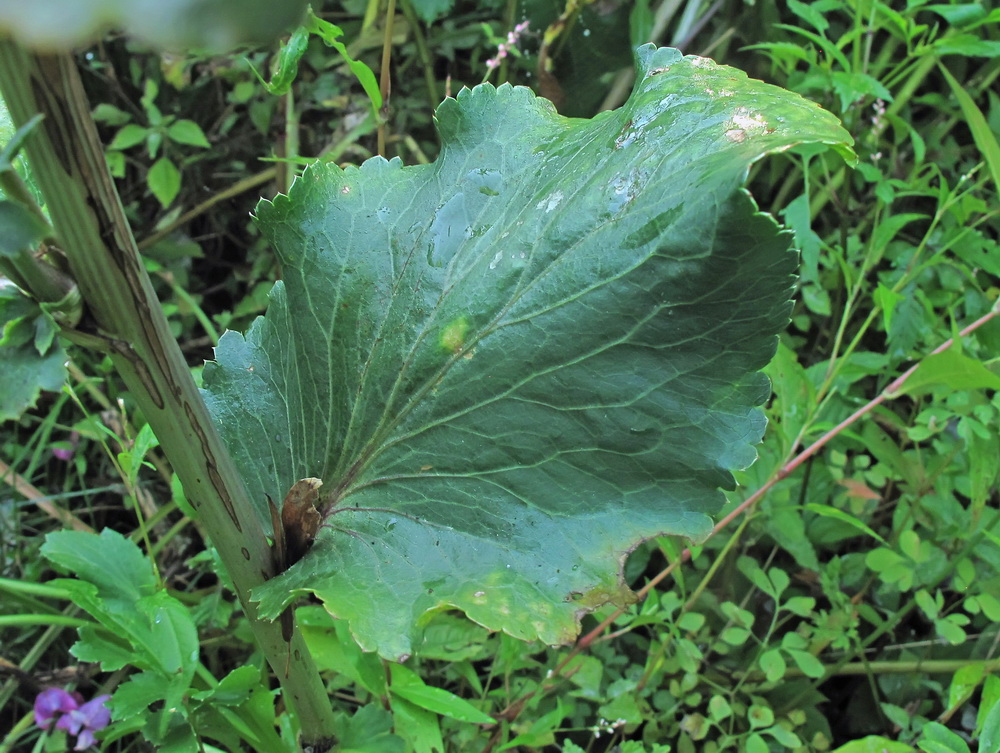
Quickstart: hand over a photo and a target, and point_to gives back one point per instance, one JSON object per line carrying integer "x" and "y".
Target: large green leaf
{"x": 513, "y": 365}
{"x": 214, "y": 24}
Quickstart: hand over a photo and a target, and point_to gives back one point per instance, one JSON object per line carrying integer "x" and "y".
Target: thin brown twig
{"x": 237, "y": 188}
{"x": 23, "y": 487}
{"x": 385, "y": 80}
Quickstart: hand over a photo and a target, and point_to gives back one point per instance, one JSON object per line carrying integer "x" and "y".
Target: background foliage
{"x": 854, "y": 605}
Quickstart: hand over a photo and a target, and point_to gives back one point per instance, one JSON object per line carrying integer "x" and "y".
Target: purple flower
{"x": 76, "y": 717}
{"x": 53, "y": 701}
{"x": 513, "y": 37}
{"x": 65, "y": 453}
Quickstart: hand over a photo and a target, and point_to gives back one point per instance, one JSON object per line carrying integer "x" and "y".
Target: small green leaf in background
{"x": 129, "y": 136}
{"x": 936, "y": 738}
{"x": 784, "y": 736}
{"x": 772, "y": 664}
{"x": 891, "y": 567}
{"x": 961, "y": 14}
{"x": 909, "y": 323}
{"x": 809, "y": 14}
{"x": 287, "y": 66}
{"x": 430, "y": 10}
{"x": 136, "y": 694}
{"x": 330, "y": 34}
{"x": 988, "y": 718}
{"x": 31, "y": 358}
{"x": 982, "y": 134}
{"x": 832, "y": 512}
{"x": 951, "y": 369}
{"x": 795, "y": 394}
{"x": 875, "y": 744}
{"x": 968, "y": 45}
{"x": 796, "y": 217}
{"x": 984, "y": 463}
{"x": 963, "y": 684}
{"x": 234, "y": 688}
{"x": 541, "y": 731}
{"x": 418, "y": 726}
{"x": 368, "y": 731}
{"x": 886, "y": 299}
{"x": 20, "y": 230}
{"x": 111, "y": 115}
{"x": 187, "y": 132}
{"x": 719, "y": 708}
{"x": 331, "y": 643}
{"x": 164, "y": 180}
{"x": 131, "y": 460}
{"x": 13, "y": 138}
{"x": 640, "y": 21}
{"x": 407, "y": 684}
{"x": 760, "y": 716}
{"x": 749, "y": 567}
{"x": 117, "y": 586}
{"x": 988, "y": 604}
{"x": 854, "y": 86}
{"x": 882, "y": 235}
{"x": 795, "y": 646}
{"x": 144, "y": 626}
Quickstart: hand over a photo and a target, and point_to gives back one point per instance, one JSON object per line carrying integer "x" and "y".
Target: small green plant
{"x": 166, "y": 132}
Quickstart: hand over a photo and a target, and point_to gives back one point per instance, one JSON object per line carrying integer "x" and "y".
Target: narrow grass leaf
{"x": 407, "y": 684}
{"x": 832, "y": 512}
{"x": 983, "y": 135}
{"x": 949, "y": 369}
{"x": 988, "y": 718}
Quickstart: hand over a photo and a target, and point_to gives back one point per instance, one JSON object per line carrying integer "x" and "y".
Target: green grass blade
{"x": 981, "y": 132}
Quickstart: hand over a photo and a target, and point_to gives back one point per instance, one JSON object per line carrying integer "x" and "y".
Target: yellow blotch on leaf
{"x": 452, "y": 337}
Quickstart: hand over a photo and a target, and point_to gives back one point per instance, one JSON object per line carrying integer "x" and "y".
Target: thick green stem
{"x": 124, "y": 318}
